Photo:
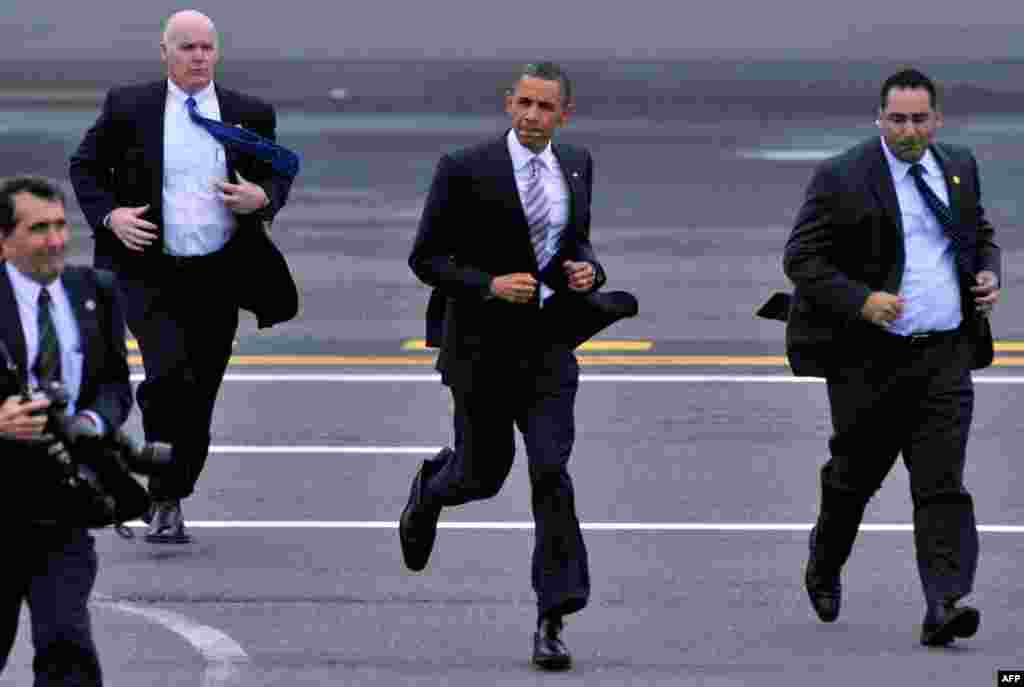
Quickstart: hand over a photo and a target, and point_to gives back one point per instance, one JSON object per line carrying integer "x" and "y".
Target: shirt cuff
{"x": 100, "y": 425}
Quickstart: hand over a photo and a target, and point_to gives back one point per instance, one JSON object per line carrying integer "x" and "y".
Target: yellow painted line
{"x": 409, "y": 360}
{"x": 615, "y": 345}
{"x": 593, "y": 345}
{"x": 614, "y": 360}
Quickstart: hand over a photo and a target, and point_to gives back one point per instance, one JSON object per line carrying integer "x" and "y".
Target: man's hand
{"x": 881, "y": 308}
{"x": 133, "y": 231}
{"x": 244, "y": 197}
{"x": 518, "y": 287}
{"x": 17, "y": 420}
{"x": 581, "y": 275}
{"x": 986, "y": 293}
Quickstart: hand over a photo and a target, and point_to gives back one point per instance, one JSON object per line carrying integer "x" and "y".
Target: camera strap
{"x": 12, "y": 368}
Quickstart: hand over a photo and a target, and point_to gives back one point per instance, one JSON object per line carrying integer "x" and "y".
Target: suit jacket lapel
{"x": 953, "y": 189}
{"x": 153, "y": 114}
{"x": 229, "y": 114}
{"x": 951, "y": 173}
{"x": 885, "y": 190}
{"x": 508, "y": 193}
{"x": 82, "y": 295}
{"x": 10, "y": 326}
{"x": 573, "y": 175}
{"x": 885, "y": 193}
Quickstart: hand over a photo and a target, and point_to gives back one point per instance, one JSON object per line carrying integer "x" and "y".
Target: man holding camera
{"x": 59, "y": 325}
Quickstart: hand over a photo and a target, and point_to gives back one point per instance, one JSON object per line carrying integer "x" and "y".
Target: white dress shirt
{"x": 26, "y": 294}
{"x": 555, "y": 187}
{"x": 196, "y": 221}
{"x": 930, "y": 288}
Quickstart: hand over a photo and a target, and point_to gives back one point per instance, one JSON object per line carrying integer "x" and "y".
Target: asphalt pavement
{"x": 696, "y": 483}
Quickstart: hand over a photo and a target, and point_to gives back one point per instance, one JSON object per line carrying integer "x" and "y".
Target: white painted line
{"x": 593, "y": 526}
{"x": 633, "y": 378}
{"x": 224, "y": 656}
{"x": 371, "y": 450}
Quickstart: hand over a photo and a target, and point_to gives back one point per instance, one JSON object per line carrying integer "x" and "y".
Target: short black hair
{"x": 910, "y": 78}
{"x": 40, "y": 187}
{"x": 549, "y": 71}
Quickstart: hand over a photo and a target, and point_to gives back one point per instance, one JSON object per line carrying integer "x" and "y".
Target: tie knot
{"x": 917, "y": 170}
{"x": 190, "y": 103}
{"x": 537, "y": 164}
{"x": 44, "y": 297}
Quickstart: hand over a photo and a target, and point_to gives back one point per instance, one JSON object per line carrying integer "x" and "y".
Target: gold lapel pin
{"x": 90, "y": 305}
{"x": 956, "y": 180}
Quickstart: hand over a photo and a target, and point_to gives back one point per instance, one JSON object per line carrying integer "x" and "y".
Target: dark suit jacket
{"x": 119, "y": 163}
{"x": 473, "y": 228}
{"x": 105, "y": 387}
{"x": 848, "y": 241}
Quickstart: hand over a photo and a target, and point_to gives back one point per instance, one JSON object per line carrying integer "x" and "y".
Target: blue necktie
{"x": 284, "y": 161}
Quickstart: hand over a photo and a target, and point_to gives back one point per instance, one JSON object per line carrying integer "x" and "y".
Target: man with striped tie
{"x": 58, "y": 324}
{"x": 505, "y": 241}
{"x": 896, "y": 272}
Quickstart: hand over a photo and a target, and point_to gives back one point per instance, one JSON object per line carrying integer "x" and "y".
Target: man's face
{"x": 536, "y": 109}
{"x": 909, "y": 122}
{"x": 37, "y": 244}
{"x": 190, "y": 51}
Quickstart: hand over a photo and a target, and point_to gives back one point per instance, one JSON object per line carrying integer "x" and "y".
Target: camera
{"x": 81, "y": 437}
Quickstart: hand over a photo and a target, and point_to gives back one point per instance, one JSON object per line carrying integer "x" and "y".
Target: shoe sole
{"x": 964, "y": 624}
{"x": 553, "y": 663}
{"x": 167, "y": 539}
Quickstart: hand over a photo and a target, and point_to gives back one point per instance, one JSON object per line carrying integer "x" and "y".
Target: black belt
{"x": 190, "y": 261}
{"x": 921, "y": 338}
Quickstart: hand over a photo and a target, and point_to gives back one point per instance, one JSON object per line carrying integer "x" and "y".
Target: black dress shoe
{"x": 168, "y": 524}
{"x": 945, "y": 622}
{"x": 549, "y": 650}
{"x": 824, "y": 590}
{"x": 417, "y": 528}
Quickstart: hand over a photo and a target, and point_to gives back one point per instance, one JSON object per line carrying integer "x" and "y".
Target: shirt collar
{"x": 181, "y": 96}
{"x": 521, "y": 155}
{"x": 901, "y": 169}
{"x": 26, "y": 288}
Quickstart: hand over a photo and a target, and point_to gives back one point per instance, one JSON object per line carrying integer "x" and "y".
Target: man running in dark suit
{"x": 179, "y": 216}
{"x": 896, "y": 272}
{"x": 505, "y": 240}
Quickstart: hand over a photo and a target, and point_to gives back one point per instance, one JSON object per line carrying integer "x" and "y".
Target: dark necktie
{"x": 284, "y": 161}
{"x": 48, "y": 359}
{"x": 935, "y": 204}
{"x": 942, "y": 212}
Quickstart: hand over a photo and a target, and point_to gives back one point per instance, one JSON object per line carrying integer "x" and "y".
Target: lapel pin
{"x": 956, "y": 180}
{"x": 576, "y": 175}
{"x": 90, "y": 305}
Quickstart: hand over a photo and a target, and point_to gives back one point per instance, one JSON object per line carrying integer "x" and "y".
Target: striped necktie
{"x": 943, "y": 214}
{"x": 538, "y": 211}
{"x": 47, "y": 367}
{"x": 939, "y": 209}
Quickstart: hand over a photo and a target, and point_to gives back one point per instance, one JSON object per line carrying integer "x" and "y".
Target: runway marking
{"x": 371, "y": 450}
{"x": 634, "y": 345}
{"x": 589, "y": 377}
{"x": 614, "y": 360}
{"x": 592, "y": 526}
{"x": 224, "y": 656}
